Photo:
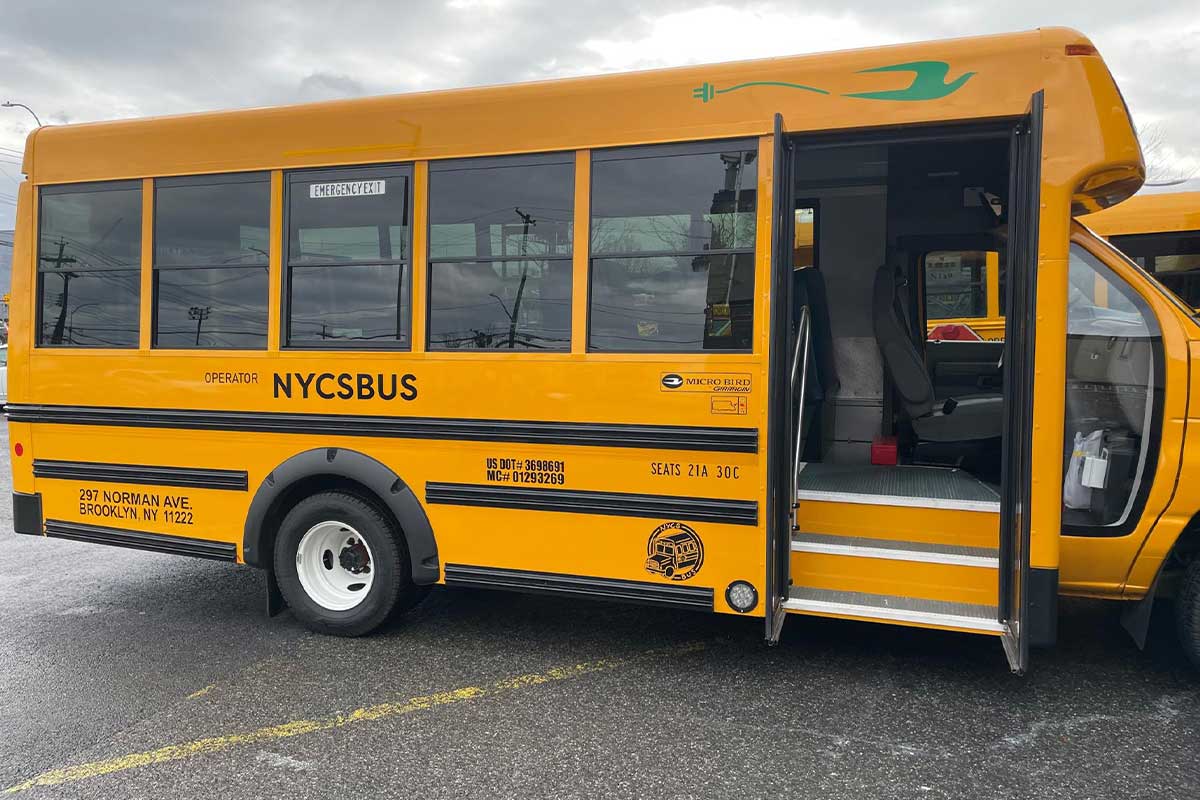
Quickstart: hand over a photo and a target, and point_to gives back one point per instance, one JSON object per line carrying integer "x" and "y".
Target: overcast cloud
{"x": 83, "y": 60}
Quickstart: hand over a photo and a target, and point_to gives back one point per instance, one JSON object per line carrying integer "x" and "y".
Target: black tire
{"x": 392, "y": 588}
{"x": 1187, "y": 613}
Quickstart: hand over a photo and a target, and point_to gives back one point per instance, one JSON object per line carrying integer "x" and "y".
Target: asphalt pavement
{"x": 136, "y": 675}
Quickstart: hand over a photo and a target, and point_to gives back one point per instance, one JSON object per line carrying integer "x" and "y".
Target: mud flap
{"x": 1135, "y": 619}
{"x": 275, "y": 602}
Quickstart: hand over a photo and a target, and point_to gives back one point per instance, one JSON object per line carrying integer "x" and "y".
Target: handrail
{"x": 799, "y": 372}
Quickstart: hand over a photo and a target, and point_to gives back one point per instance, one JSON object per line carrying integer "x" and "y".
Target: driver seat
{"x": 970, "y": 418}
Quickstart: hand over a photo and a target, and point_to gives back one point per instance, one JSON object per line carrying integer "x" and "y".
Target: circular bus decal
{"x": 674, "y": 551}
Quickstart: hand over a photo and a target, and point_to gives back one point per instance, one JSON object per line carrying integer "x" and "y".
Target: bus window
{"x": 89, "y": 262}
{"x": 804, "y": 248}
{"x": 672, "y": 248}
{"x": 348, "y": 277}
{"x": 1114, "y": 383}
{"x": 500, "y": 253}
{"x": 1173, "y": 257}
{"x": 211, "y": 246}
{"x": 955, "y": 284}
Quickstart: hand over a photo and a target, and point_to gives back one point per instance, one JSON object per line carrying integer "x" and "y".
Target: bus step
{"x": 966, "y": 617}
{"x": 892, "y": 550}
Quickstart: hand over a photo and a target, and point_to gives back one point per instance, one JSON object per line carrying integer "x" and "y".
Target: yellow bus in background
{"x": 1161, "y": 232}
{"x": 655, "y": 337}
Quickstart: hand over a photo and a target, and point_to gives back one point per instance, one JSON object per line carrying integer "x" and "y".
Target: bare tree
{"x": 1161, "y": 167}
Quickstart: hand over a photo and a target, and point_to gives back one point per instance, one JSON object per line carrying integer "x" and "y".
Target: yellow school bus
{"x": 1161, "y": 233}
{"x": 565, "y": 338}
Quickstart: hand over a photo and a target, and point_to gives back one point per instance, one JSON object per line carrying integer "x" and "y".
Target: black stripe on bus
{"x": 618, "y": 504}
{"x": 595, "y": 434}
{"x": 140, "y": 540}
{"x": 194, "y": 477}
{"x": 521, "y": 580}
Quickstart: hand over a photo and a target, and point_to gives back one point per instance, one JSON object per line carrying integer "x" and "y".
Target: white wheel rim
{"x": 335, "y": 566}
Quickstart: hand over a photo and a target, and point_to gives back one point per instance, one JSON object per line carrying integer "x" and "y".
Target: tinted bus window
{"x": 89, "y": 263}
{"x": 500, "y": 253}
{"x": 1173, "y": 257}
{"x": 211, "y": 252}
{"x": 348, "y": 277}
{"x": 672, "y": 248}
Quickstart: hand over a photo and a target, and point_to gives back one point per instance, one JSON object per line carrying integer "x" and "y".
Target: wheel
{"x": 1187, "y": 613}
{"x": 341, "y": 565}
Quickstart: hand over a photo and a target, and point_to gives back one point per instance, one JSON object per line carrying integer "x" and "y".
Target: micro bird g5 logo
{"x": 672, "y": 381}
{"x": 674, "y": 551}
{"x": 928, "y": 83}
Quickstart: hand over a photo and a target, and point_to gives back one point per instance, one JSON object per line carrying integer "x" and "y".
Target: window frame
{"x": 213, "y": 179}
{"x": 334, "y": 173}
{"x": 562, "y": 157}
{"x": 89, "y": 187}
{"x": 636, "y": 152}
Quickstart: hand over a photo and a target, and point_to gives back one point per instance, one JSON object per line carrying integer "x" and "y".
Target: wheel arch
{"x": 1183, "y": 551}
{"x": 325, "y": 468}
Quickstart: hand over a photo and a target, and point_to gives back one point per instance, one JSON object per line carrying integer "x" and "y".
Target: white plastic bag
{"x": 1076, "y": 494}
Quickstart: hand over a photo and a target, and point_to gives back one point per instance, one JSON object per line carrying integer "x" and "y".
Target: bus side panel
{"x": 694, "y": 476}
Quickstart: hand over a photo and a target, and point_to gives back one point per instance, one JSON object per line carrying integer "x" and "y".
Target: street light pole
{"x": 11, "y": 104}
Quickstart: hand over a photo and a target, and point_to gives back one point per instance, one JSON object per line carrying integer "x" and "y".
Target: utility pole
{"x": 528, "y": 221}
{"x": 58, "y": 262}
{"x": 199, "y": 313}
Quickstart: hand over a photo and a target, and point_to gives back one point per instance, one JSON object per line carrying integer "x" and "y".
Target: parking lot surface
{"x": 128, "y": 674}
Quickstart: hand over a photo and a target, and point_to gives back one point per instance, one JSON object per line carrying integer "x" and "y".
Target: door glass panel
{"x": 1114, "y": 383}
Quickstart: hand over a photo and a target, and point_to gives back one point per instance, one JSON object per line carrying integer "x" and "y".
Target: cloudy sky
{"x": 84, "y": 60}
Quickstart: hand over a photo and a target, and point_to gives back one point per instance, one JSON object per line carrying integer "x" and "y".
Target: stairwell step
{"x": 895, "y": 550}
{"x": 891, "y": 608}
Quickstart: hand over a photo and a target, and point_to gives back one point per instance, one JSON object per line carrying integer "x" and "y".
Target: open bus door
{"x": 1019, "y": 331}
{"x": 781, "y": 466}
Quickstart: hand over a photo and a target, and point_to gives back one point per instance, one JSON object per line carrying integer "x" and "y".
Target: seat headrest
{"x": 896, "y": 347}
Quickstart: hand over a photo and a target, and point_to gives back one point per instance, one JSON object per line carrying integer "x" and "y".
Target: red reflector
{"x": 883, "y": 451}
{"x": 1081, "y": 50}
{"x": 18, "y": 449}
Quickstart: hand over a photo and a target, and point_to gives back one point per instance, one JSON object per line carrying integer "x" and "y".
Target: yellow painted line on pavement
{"x": 301, "y": 727}
{"x": 201, "y": 692}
